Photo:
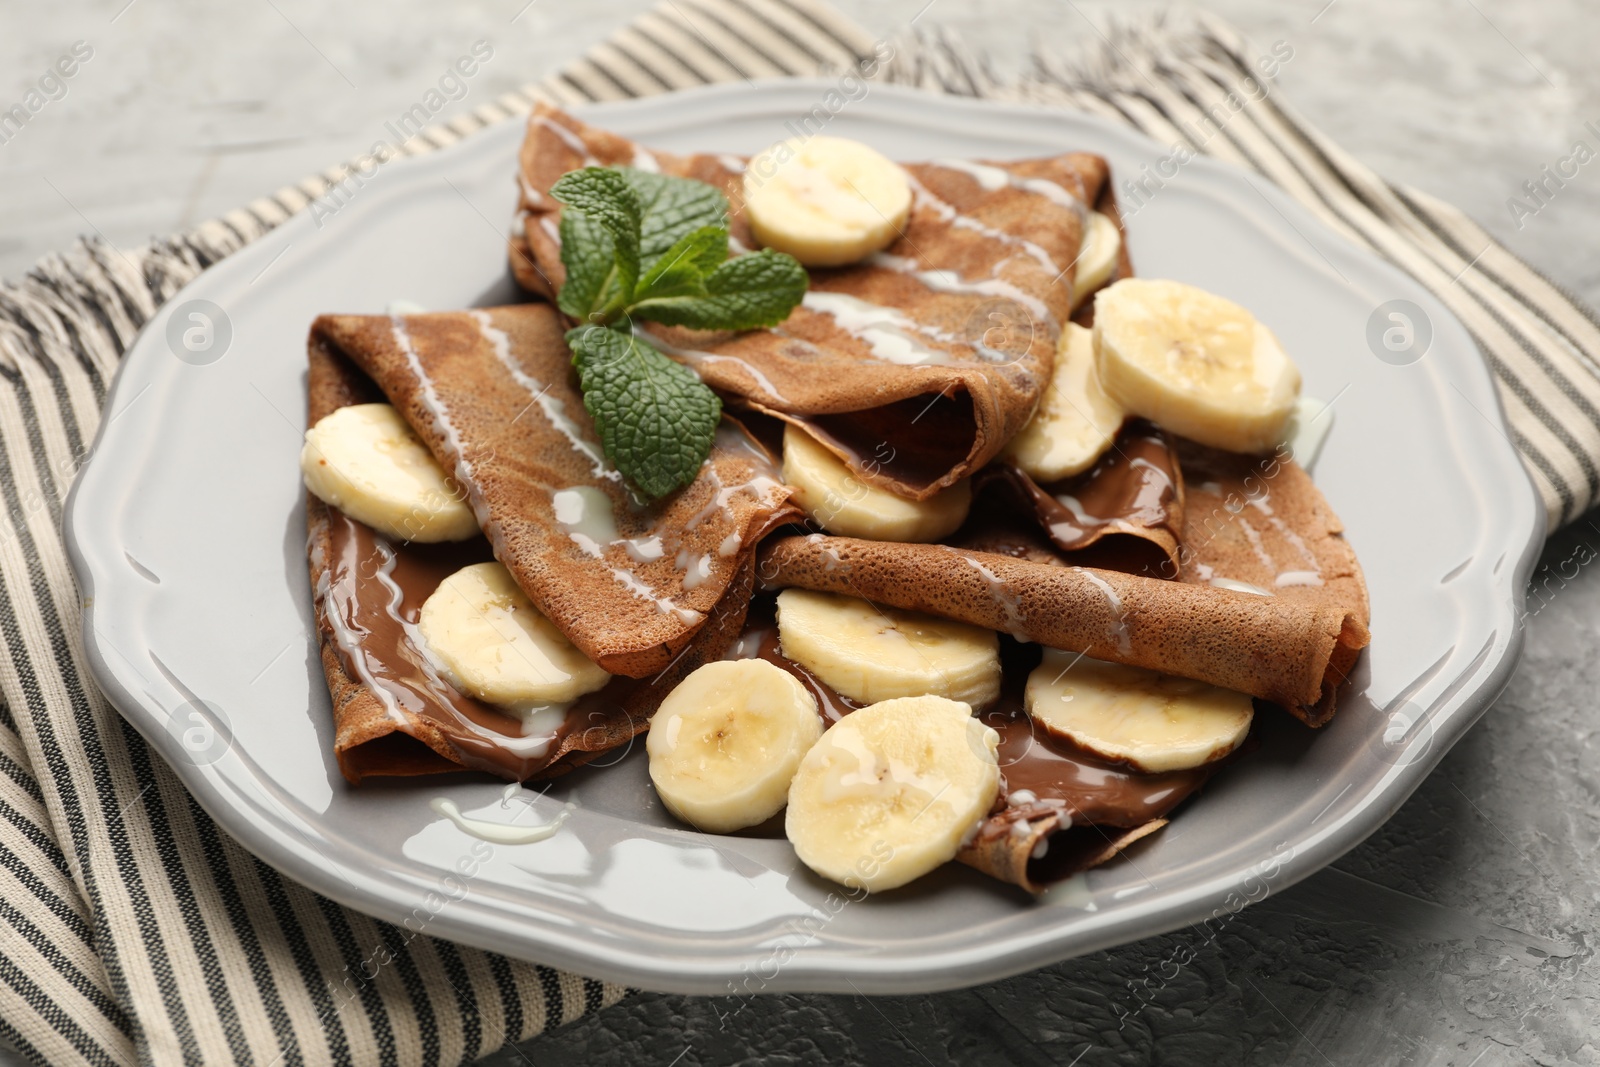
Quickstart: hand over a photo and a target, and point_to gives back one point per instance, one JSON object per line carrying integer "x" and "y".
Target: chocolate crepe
{"x": 490, "y": 393}
{"x": 393, "y": 714}
{"x": 978, "y": 285}
{"x": 1291, "y": 651}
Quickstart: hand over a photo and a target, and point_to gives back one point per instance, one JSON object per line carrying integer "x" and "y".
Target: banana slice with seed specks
{"x": 835, "y": 496}
{"x": 1197, "y": 364}
{"x": 870, "y": 654}
{"x": 892, "y": 791}
{"x": 826, "y": 201}
{"x": 1097, "y": 261}
{"x": 726, "y": 742}
{"x": 365, "y": 461}
{"x": 490, "y": 642}
{"x": 1154, "y": 722}
{"x": 1076, "y": 421}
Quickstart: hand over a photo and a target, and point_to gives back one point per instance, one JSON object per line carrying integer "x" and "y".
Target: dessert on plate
{"x": 880, "y": 498}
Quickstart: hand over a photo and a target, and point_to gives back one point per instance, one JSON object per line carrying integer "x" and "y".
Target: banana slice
{"x": 1076, "y": 421}
{"x": 869, "y": 654}
{"x": 489, "y": 641}
{"x": 833, "y": 495}
{"x": 1097, "y": 261}
{"x": 726, "y": 742}
{"x": 1153, "y": 722}
{"x": 365, "y": 461}
{"x": 892, "y": 791}
{"x": 1199, "y": 365}
{"x": 826, "y": 201}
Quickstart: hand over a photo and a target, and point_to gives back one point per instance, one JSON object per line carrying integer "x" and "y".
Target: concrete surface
{"x": 1459, "y": 935}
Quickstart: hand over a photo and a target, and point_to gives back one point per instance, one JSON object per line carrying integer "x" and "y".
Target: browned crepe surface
{"x": 491, "y": 394}
{"x": 1289, "y": 652}
{"x": 1261, "y": 520}
{"x": 1014, "y": 246}
{"x": 392, "y": 716}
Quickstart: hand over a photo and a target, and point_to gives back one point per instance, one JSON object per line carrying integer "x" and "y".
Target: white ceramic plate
{"x": 187, "y": 534}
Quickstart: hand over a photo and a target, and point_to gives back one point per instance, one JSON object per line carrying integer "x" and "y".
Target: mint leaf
{"x": 590, "y": 257}
{"x": 656, "y": 418}
{"x": 671, "y": 209}
{"x": 743, "y": 293}
{"x": 607, "y": 198}
{"x": 682, "y": 269}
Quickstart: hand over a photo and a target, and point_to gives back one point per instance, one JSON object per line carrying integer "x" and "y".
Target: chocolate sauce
{"x": 1055, "y": 772}
{"x": 373, "y": 594}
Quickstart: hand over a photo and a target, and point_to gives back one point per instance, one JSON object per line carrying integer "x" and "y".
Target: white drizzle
{"x": 694, "y": 356}
{"x": 441, "y": 418}
{"x": 948, "y": 281}
{"x": 586, "y": 514}
{"x": 553, "y": 408}
{"x": 1237, "y": 586}
{"x": 570, "y": 139}
{"x": 644, "y": 160}
{"x": 1293, "y": 578}
{"x": 949, "y": 214}
{"x": 886, "y": 331}
{"x": 1120, "y": 630}
{"x": 1006, "y": 600}
{"x": 498, "y": 833}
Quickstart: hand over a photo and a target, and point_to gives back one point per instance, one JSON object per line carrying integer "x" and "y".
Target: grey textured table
{"x": 1457, "y": 935}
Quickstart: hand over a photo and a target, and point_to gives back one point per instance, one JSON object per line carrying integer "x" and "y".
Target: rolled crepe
{"x": 1287, "y": 651}
{"x": 914, "y": 367}
{"x": 490, "y": 393}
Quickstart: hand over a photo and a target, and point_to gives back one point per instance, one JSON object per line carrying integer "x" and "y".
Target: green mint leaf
{"x": 656, "y": 419}
{"x": 671, "y": 209}
{"x": 682, "y": 269}
{"x": 744, "y": 293}
{"x": 608, "y": 199}
{"x": 590, "y": 257}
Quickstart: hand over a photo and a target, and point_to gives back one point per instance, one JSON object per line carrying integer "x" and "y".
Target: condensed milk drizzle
{"x": 440, "y": 417}
{"x": 554, "y": 409}
{"x": 1119, "y": 627}
{"x": 567, "y": 137}
{"x": 887, "y": 332}
{"x": 948, "y": 213}
{"x": 694, "y": 356}
{"x": 948, "y": 281}
{"x": 372, "y": 592}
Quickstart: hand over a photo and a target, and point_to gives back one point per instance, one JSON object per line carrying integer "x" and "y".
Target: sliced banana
{"x": 1153, "y": 722}
{"x": 1097, "y": 260}
{"x": 868, "y": 654}
{"x": 490, "y": 642}
{"x": 1075, "y": 422}
{"x": 1197, "y": 364}
{"x": 726, "y": 742}
{"x": 365, "y": 461}
{"x": 826, "y": 201}
{"x": 836, "y": 497}
{"x": 892, "y": 791}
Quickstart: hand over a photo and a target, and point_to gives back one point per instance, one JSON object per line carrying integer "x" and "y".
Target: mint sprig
{"x": 641, "y": 246}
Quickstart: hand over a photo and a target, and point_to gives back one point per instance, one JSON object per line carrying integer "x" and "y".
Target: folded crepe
{"x": 914, "y": 367}
{"x": 489, "y": 393}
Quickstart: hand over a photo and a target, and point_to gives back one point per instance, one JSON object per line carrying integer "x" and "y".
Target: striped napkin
{"x": 132, "y": 930}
